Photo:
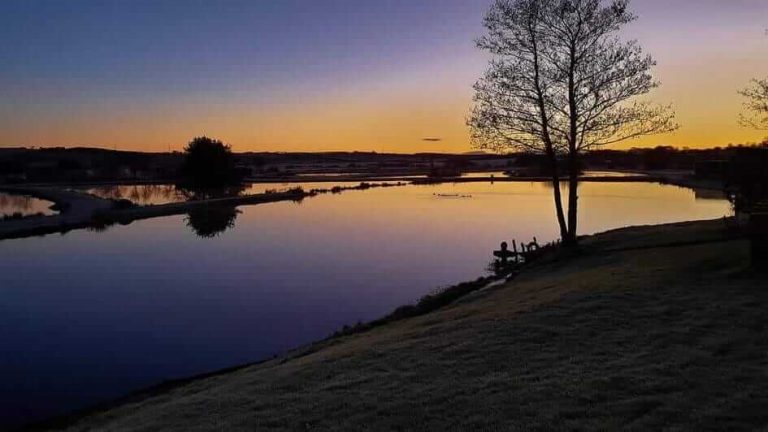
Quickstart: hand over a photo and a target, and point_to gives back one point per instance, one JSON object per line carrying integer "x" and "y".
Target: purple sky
{"x": 320, "y": 74}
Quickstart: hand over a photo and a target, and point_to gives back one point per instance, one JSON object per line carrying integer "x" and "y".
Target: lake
{"x": 24, "y": 205}
{"x": 157, "y": 194}
{"x": 89, "y": 316}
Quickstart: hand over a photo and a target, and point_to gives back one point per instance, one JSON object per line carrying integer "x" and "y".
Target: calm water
{"x": 156, "y": 194}
{"x": 24, "y": 204}
{"x": 88, "y": 316}
{"x": 612, "y": 174}
{"x": 150, "y": 194}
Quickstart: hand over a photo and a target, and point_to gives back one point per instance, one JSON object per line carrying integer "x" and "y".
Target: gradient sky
{"x": 317, "y": 75}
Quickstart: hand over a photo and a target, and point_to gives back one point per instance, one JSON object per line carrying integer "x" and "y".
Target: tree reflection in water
{"x": 196, "y": 194}
{"x": 209, "y": 221}
{"x": 20, "y": 203}
{"x": 145, "y": 194}
{"x": 157, "y": 194}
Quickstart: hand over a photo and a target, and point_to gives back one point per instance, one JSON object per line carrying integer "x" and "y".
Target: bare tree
{"x": 756, "y": 105}
{"x": 561, "y": 82}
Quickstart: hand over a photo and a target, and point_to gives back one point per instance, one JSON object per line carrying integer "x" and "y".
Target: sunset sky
{"x": 319, "y": 75}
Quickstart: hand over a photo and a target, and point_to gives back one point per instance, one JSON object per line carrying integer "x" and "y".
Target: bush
{"x": 208, "y": 163}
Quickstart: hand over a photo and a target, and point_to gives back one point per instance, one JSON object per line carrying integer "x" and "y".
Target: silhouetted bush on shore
{"x": 208, "y": 163}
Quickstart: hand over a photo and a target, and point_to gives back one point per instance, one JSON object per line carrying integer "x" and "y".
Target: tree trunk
{"x": 573, "y": 201}
{"x": 573, "y": 154}
{"x": 558, "y": 197}
{"x": 549, "y": 148}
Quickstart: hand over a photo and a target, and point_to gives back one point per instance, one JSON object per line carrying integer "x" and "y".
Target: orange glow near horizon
{"x": 706, "y": 52}
{"x": 397, "y": 125}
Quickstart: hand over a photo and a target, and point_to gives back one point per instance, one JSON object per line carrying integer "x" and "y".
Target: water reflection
{"x": 145, "y": 194}
{"x": 196, "y": 194}
{"x": 158, "y": 194}
{"x": 501, "y": 174}
{"x": 611, "y": 174}
{"x": 210, "y": 221}
{"x": 23, "y": 205}
{"x": 710, "y": 194}
{"x": 111, "y": 312}
{"x": 588, "y": 173}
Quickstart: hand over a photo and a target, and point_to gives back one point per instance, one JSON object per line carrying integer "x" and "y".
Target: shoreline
{"x": 170, "y": 384}
{"x": 442, "y": 299}
{"x": 101, "y": 212}
{"x": 79, "y": 210}
{"x": 83, "y": 211}
{"x": 597, "y": 248}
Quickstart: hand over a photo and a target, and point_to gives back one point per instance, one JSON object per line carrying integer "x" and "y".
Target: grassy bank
{"x": 651, "y": 328}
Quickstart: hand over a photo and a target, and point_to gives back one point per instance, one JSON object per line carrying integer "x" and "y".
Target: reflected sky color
{"x": 23, "y": 204}
{"x": 87, "y": 315}
{"x": 320, "y": 75}
{"x": 158, "y": 194}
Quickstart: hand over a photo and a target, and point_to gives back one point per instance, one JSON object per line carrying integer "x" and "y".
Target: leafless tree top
{"x": 756, "y": 105}
{"x": 561, "y": 77}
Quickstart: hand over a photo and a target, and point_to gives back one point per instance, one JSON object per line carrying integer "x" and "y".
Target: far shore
{"x": 81, "y": 210}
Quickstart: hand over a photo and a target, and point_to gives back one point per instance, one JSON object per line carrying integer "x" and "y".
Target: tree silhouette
{"x": 208, "y": 163}
{"x": 560, "y": 83}
{"x": 756, "y": 105}
{"x": 210, "y": 221}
